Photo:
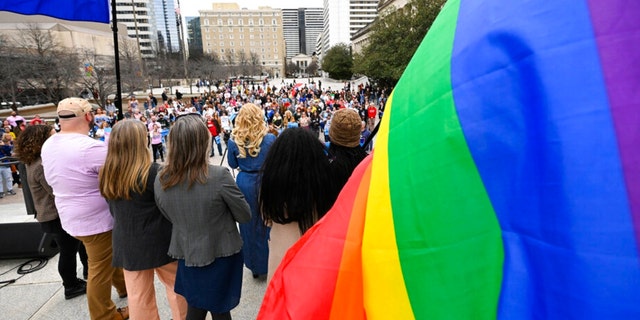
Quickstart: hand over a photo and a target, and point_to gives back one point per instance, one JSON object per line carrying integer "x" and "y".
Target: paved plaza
{"x": 40, "y": 295}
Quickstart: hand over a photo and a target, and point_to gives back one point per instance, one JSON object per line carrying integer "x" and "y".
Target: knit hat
{"x": 345, "y": 128}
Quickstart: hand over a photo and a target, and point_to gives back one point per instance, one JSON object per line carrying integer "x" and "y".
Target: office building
{"x": 342, "y": 19}
{"x": 166, "y": 24}
{"x": 140, "y": 24}
{"x": 245, "y": 36}
{"x": 194, "y": 36}
{"x": 301, "y": 29}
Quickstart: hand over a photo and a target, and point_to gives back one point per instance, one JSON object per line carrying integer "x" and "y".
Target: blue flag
{"x": 74, "y": 10}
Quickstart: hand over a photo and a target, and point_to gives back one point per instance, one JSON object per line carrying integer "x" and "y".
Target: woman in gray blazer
{"x": 203, "y": 203}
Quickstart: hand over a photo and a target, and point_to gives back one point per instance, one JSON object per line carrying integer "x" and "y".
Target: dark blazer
{"x": 204, "y": 217}
{"x": 141, "y": 234}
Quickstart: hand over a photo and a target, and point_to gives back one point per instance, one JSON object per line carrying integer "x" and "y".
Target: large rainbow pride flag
{"x": 505, "y": 181}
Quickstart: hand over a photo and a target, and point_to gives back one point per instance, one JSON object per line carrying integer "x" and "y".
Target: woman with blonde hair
{"x": 289, "y": 120}
{"x": 141, "y": 234}
{"x": 203, "y": 203}
{"x": 248, "y": 147}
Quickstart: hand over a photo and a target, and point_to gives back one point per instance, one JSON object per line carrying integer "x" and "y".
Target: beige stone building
{"x": 245, "y": 36}
{"x": 77, "y": 36}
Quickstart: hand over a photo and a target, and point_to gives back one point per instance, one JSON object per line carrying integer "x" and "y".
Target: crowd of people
{"x": 98, "y": 188}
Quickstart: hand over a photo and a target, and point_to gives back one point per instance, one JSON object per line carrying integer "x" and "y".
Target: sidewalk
{"x": 40, "y": 295}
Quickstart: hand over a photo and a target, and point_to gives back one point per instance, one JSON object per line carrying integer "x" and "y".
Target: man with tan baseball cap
{"x": 71, "y": 162}
{"x": 73, "y": 107}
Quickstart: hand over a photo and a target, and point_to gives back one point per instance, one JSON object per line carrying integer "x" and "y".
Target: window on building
{"x": 219, "y": 22}
{"x": 275, "y": 30}
{"x": 274, "y": 22}
{"x": 208, "y": 50}
{"x": 230, "y": 22}
{"x": 222, "y": 50}
{"x": 261, "y": 22}
{"x": 206, "y": 22}
{"x": 241, "y": 36}
{"x": 231, "y": 36}
{"x": 250, "y": 22}
{"x": 208, "y": 37}
{"x": 221, "y": 36}
{"x": 251, "y": 36}
{"x": 240, "y": 22}
{"x": 222, "y": 43}
{"x": 261, "y": 36}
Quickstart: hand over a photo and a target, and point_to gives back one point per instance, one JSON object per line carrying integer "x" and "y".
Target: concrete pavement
{"x": 40, "y": 295}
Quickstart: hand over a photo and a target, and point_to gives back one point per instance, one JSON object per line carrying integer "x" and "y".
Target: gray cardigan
{"x": 204, "y": 217}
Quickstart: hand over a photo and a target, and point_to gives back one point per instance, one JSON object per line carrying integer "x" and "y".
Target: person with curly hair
{"x": 289, "y": 120}
{"x": 248, "y": 147}
{"x": 295, "y": 190}
{"x": 28, "y": 147}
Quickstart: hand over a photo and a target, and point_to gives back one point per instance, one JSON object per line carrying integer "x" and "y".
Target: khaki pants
{"x": 102, "y": 275}
{"x": 142, "y": 293}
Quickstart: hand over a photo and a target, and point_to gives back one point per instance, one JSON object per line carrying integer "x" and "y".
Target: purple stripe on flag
{"x": 616, "y": 26}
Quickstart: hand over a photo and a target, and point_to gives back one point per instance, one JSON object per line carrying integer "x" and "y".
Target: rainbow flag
{"x": 505, "y": 181}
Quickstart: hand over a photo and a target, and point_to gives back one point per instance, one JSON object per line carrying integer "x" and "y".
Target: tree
{"x": 10, "y": 66}
{"x": 394, "y": 38}
{"x": 98, "y": 76}
{"x": 255, "y": 65}
{"x": 292, "y": 69}
{"x": 47, "y": 69}
{"x": 131, "y": 70}
{"x": 338, "y": 62}
{"x": 312, "y": 68}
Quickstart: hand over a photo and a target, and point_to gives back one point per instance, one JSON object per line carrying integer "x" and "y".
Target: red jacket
{"x": 371, "y": 112}
{"x": 212, "y": 128}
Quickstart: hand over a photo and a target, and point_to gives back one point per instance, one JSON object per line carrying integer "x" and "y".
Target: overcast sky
{"x": 190, "y": 7}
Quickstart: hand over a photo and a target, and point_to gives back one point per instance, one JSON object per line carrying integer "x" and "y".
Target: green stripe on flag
{"x": 448, "y": 236}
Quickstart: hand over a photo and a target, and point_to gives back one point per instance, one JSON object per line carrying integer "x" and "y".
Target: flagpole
{"x": 114, "y": 26}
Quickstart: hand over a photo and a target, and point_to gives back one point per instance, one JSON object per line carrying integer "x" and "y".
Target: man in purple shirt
{"x": 14, "y": 118}
{"x": 71, "y": 162}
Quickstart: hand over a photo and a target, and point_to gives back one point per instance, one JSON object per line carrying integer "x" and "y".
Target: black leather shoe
{"x": 79, "y": 289}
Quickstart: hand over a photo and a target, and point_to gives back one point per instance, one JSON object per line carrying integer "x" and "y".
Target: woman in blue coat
{"x": 248, "y": 147}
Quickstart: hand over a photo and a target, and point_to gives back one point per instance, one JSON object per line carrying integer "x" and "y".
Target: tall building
{"x": 301, "y": 29}
{"x": 194, "y": 36}
{"x": 245, "y": 36}
{"x": 342, "y": 19}
{"x": 313, "y": 24}
{"x": 166, "y": 26}
{"x": 140, "y": 24}
{"x": 291, "y": 30}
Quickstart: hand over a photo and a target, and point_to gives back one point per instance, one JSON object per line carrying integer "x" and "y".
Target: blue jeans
{"x": 6, "y": 179}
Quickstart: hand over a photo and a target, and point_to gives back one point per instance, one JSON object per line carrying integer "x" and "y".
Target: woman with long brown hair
{"x": 203, "y": 203}
{"x": 141, "y": 234}
{"x": 248, "y": 148}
